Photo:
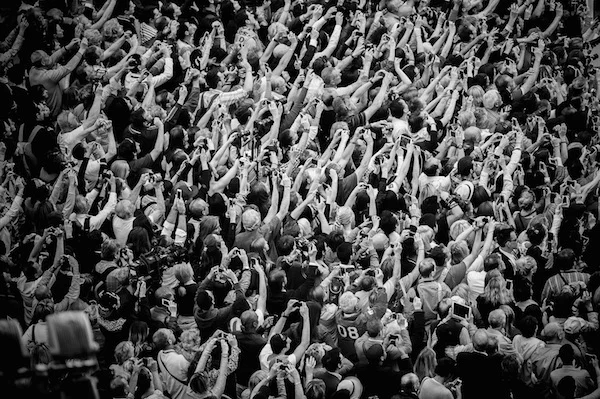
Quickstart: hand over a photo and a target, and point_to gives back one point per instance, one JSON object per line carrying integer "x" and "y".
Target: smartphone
{"x": 404, "y": 141}
{"x": 412, "y": 230}
{"x": 509, "y": 284}
{"x": 179, "y": 194}
{"x": 461, "y": 311}
{"x": 566, "y": 201}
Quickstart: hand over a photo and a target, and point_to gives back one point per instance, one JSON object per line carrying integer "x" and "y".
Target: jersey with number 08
{"x": 350, "y": 327}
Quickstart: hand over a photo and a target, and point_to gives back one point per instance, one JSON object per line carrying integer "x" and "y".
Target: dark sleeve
{"x": 345, "y": 187}
{"x": 295, "y": 111}
{"x": 417, "y": 332}
{"x": 138, "y": 164}
{"x": 301, "y": 293}
{"x": 405, "y": 365}
{"x": 173, "y": 117}
{"x": 308, "y": 56}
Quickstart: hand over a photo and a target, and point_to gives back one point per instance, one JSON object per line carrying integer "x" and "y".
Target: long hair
{"x": 495, "y": 292}
{"x": 425, "y": 364}
{"x": 138, "y": 335}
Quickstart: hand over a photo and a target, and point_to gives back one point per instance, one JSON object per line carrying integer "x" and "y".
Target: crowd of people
{"x": 350, "y": 199}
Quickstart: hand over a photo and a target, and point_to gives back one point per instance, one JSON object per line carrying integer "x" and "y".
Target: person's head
{"x": 506, "y": 237}
{"x": 528, "y": 326}
{"x": 567, "y": 354}
{"x": 426, "y": 267}
{"x": 163, "y": 339}
{"x": 124, "y": 351}
{"x": 163, "y": 294}
{"x": 526, "y": 267}
{"x": 184, "y": 273}
{"x": 344, "y": 252}
{"x": 81, "y": 206}
{"x": 332, "y": 360}
{"x": 553, "y": 333}
{"x": 480, "y": 340}
{"x": 566, "y": 387}
{"x": 425, "y": 363}
{"x": 409, "y": 383}
{"x": 139, "y": 241}
{"x": 280, "y": 344}
{"x": 119, "y": 387}
{"x": 374, "y": 327}
{"x": 497, "y": 319}
{"x": 138, "y": 332}
{"x": 249, "y": 321}
{"x": 348, "y": 302}
{"x": 445, "y": 368}
{"x": 42, "y": 310}
{"x": 315, "y": 389}
{"x": 565, "y": 259}
{"x": 125, "y": 209}
{"x": 109, "y": 249}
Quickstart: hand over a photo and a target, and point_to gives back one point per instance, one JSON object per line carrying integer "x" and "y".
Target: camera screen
{"x": 461, "y": 310}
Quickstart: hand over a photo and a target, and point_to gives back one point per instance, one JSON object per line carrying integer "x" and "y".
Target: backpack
{"x": 39, "y": 351}
{"x": 430, "y": 297}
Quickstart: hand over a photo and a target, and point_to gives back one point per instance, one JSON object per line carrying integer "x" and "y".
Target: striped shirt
{"x": 555, "y": 283}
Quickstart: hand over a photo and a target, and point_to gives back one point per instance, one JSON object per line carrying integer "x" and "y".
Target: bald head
{"x": 42, "y": 292}
{"x": 249, "y": 321}
{"x": 409, "y": 382}
{"x": 480, "y": 340}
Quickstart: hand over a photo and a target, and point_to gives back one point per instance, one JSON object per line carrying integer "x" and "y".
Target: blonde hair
{"x": 124, "y": 351}
{"x": 425, "y": 364}
{"x": 477, "y": 93}
{"x": 495, "y": 292}
{"x": 183, "y": 272}
{"x": 125, "y": 209}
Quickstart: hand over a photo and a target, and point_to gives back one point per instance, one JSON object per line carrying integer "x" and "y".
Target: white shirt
{"x": 476, "y": 282}
{"x": 173, "y": 367}
{"x": 267, "y": 351}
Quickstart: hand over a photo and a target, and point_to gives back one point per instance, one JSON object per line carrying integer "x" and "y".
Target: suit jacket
{"x": 480, "y": 374}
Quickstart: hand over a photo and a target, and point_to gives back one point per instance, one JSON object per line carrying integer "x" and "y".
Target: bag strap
{"x": 86, "y": 224}
{"x": 34, "y": 133}
{"x": 563, "y": 278}
{"x": 162, "y": 364}
{"x": 33, "y": 334}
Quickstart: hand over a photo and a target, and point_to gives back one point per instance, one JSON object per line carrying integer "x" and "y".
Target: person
{"x": 476, "y": 378}
{"x": 172, "y": 366}
{"x": 583, "y": 380}
{"x": 434, "y": 387}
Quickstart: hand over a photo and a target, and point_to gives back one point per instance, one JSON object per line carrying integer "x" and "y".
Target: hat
{"x": 552, "y": 330}
{"x": 117, "y": 279}
{"x": 573, "y": 325}
{"x": 352, "y": 385}
{"x": 465, "y": 190}
{"x": 187, "y": 192}
{"x": 465, "y": 165}
{"x": 427, "y": 219}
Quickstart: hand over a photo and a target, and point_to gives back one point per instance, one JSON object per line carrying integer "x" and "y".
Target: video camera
{"x": 152, "y": 264}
